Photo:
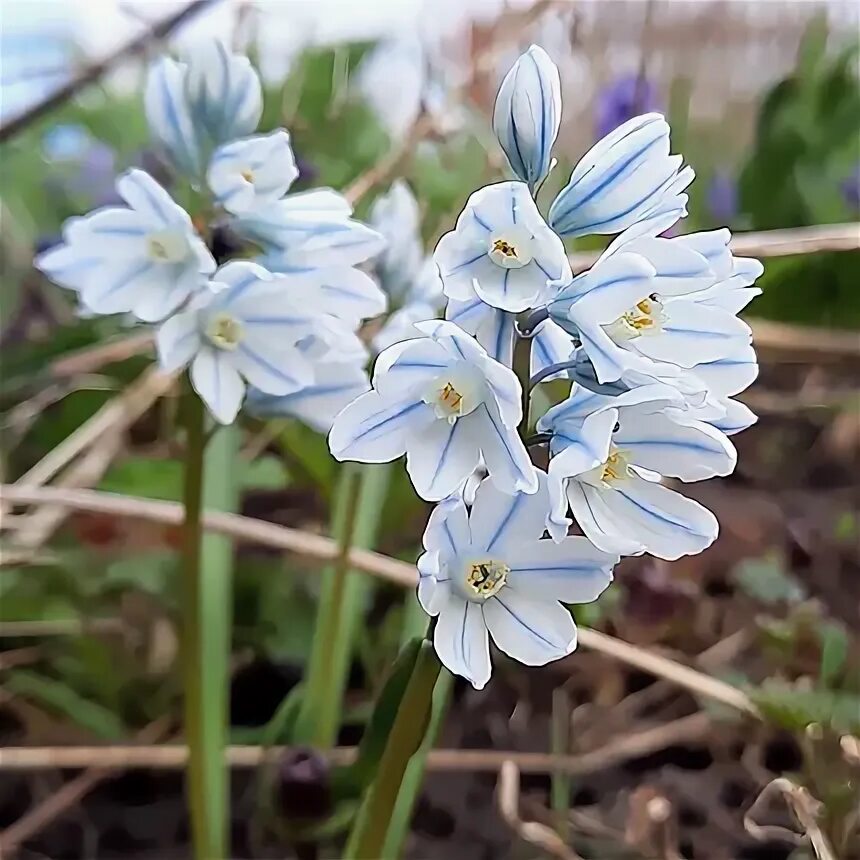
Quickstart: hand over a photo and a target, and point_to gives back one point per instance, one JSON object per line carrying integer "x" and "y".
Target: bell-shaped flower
{"x": 338, "y": 378}
{"x": 192, "y": 107}
{"x": 252, "y": 171}
{"x": 442, "y": 401}
{"x": 245, "y": 329}
{"x": 622, "y": 179}
{"x": 397, "y": 218}
{"x": 641, "y": 300}
{"x": 488, "y": 573}
{"x": 501, "y": 250}
{"x": 308, "y": 230}
{"x": 528, "y": 114}
{"x": 146, "y": 258}
{"x": 611, "y": 453}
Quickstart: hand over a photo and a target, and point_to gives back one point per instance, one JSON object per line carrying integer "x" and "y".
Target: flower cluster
{"x": 648, "y": 341}
{"x": 281, "y": 326}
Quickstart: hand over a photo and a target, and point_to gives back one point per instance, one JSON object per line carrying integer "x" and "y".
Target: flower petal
{"x": 218, "y": 383}
{"x": 448, "y": 530}
{"x": 504, "y": 454}
{"x": 533, "y": 631}
{"x": 573, "y": 571}
{"x": 177, "y": 341}
{"x": 375, "y": 429}
{"x": 440, "y": 457}
{"x": 691, "y": 451}
{"x": 461, "y": 641}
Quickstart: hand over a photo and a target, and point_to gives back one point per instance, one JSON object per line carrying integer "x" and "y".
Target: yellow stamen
{"x": 486, "y": 578}
{"x": 450, "y": 397}
{"x": 505, "y": 248}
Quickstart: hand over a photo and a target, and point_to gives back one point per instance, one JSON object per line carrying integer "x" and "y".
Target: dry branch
{"x": 94, "y": 73}
{"x": 174, "y": 756}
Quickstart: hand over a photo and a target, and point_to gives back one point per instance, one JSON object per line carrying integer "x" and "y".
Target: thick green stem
{"x": 192, "y": 657}
{"x": 406, "y": 737}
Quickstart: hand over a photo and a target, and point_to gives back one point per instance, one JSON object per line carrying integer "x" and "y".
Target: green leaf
{"x": 264, "y": 473}
{"x": 352, "y": 779}
{"x": 60, "y": 697}
{"x": 343, "y": 599}
{"x": 795, "y": 706}
{"x": 834, "y": 652}
{"x": 145, "y": 476}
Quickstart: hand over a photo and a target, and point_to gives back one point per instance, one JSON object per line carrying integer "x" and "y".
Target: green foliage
{"x": 805, "y": 148}
{"x": 795, "y": 706}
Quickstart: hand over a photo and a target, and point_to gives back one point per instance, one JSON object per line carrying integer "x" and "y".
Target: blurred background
{"x": 764, "y": 102}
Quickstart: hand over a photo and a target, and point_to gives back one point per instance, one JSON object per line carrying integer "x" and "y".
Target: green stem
{"x": 192, "y": 657}
{"x": 407, "y": 734}
{"x": 358, "y": 508}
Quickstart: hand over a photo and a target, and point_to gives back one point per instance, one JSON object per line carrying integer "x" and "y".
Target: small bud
{"x": 303, "y": 785}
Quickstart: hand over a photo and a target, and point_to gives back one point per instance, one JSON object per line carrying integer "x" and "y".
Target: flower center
{"x": 613, "y": 471}
{"x": 486, "y": 578}
{"x": 224, "y": 331}
{"x": 454, "y": 394}
{"x": 511, "y": 249}
{"x": 248, "y": 175}
{"x": 644, "y": 318}
{"x": 167, "y": 246}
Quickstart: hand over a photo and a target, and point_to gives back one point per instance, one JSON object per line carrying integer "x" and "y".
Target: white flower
{"x": 146, "y": 259}
{"x": 337, "y": 380}
{"x": 396, "y": 217}
{"x": 252, "y": 171}
{"x": 625, "y": 177}
{"x": 308, "y": 230}
{"x": 401, "y": 324}
{"x": 194, "y": 106}
{"x": 442, "y": 401}
{"x": 492, "y": 327}
{"x": 489, "y": 572}
{"x": 501, "y": 250}
{"x": 611, "y": 453}
{"x": 648, "y": 297}
{"x": 247, "y": 327}
{"x": 528, "y": 113}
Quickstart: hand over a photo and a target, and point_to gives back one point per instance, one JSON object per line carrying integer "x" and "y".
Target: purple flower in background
{"x": 851, "y": 189}
{"x": 723, "y": 197}
{"x": 89, "y": 164}
{"x": 622, "y": 99}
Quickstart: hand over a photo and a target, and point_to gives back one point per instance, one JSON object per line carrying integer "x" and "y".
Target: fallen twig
{"x": 66, "y": 797}
{"x": 174, "y": 756}
{"x": 94, "y": 73}
{"x": 399, "y": 572}
{"x": 508, "y": 799}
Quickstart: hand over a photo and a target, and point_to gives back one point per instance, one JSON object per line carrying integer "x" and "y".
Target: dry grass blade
{"x": 539, "y": 835}
{"x": 805, "y": 809}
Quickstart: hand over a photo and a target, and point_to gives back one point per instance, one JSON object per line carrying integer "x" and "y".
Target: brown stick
{"x": 95, "y": 72}
{"x": 397, "y": 572}
{"x": 66, "y": 797}
{"x": 174, "y": 756}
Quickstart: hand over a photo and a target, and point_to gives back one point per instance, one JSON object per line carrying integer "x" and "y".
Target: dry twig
{"x": 172, "y": 756}
{"x": 398, "y": 572}
{"x": 97, "y": 71}
{"x": 508, "y": 799}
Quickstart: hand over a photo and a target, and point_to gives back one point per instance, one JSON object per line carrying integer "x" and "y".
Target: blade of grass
{"x": 560, "y": 787}
{"x": 359, "y": 501}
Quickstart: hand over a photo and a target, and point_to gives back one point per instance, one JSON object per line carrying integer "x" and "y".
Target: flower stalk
{"x": 208, "y": 832}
